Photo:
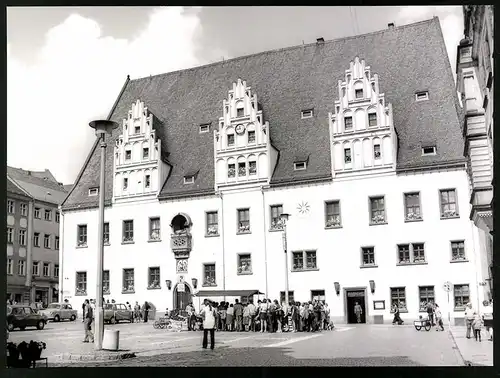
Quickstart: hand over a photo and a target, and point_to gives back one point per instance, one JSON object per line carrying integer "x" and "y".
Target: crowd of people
{"x": 266, "y": 316}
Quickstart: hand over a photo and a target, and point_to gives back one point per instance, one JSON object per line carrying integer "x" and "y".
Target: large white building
{"x": 358, "y": 139}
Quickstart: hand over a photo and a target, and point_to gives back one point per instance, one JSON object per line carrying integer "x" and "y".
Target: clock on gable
{"x": 240, "y": 129}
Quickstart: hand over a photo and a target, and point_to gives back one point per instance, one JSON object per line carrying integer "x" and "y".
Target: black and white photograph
{"x": 249, "y": 186}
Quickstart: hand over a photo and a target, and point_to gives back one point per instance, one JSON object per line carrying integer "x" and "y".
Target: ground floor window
{"x": 318, "y": 295}
{"x": 291, "y": 298}
{"x": 42, "y": 296}
{"x": 209, "y": 275}
{"x": 461, "y": 296}
{"x": 154, "y": 278}
{"x": 105, "y": 282}
{"x": 244, "y": 264}
{"x": 128, "y": 281}
{"x": 398, "y": 298}
{"x": 426, "y": 295}
{"x": 81, "y": 283}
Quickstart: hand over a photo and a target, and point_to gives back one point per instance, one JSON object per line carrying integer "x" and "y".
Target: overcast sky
{"x": 66, "y": 66}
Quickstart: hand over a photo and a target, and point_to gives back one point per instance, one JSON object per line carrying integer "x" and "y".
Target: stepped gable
{"x": 407, "y": 59}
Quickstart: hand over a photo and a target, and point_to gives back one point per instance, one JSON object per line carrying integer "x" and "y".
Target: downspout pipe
{"x": 29, "y": 250}
{"x": 265, "y": 236}
{"x": 61, "y": 256}
{"x": 223, "y": 244}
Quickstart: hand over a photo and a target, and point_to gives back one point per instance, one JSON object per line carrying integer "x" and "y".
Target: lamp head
{"x": 284, "y": 217}
{"x": 103, "y": 126}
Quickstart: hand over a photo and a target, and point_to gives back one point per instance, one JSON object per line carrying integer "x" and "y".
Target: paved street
{"x": 359, "y": 345}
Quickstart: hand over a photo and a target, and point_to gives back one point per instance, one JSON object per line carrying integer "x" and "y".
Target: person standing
{"x": 438, "y": 316}
{"x": 488, "y": 318}
{"x": 137, "y": 312}
{"x": 397, "y": 318}
{"x": 229, "y": 317}
{"x": 469, "y": 318}
{"x": 238, "y": 314}
{"x": 208, "y": 315}
{"x": 358, "y": 311}
{"x": 84, "y": 305}
{"x": 327, "y": 315}
{"x": 87, "y": 324}
{"x": 189, "y": 311}
{"x": 430, "y": 313}
{"x": 477, "y": 325}
{"x": 146, "y": 311}
{"x": 252, "y": 311}
{"x": 263, "y": 308}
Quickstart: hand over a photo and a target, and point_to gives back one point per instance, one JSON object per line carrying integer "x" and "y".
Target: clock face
{"x": 240, "y": 129}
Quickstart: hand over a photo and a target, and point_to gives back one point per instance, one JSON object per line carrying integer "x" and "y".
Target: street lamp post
{"x": 101, "y": 127}
{"x": 284, "y": 218}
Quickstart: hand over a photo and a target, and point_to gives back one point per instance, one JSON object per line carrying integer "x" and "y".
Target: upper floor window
{"x": 21, "y": 267}
{"x": 46, "y": 269}
{"x": 243, "y": 221}
{"x": 276, "y": 211}
{"x": 56, "y": 270}
{"x": 422, "y": 96}
{"x": 22, "y": 237}
{"x": 36, "y": 239}
{"x": 304, "y": 260}
{"x": 125, "y": 183}
{"x": 448, "y": 203}
{"x": 461, "y": 296}
{"x": 154, "y": 228}
{"x": 209, "y": 275}
{"x": 145, "y": 153}
{"x": 212, "y": 223}
{"x": 332, "y": 214}
{"x": 81, "y": 283}
{"x": 458, "y": 251}
{"x": 251, "y": 137}
{"x": 299, "y": 166}
{"x": 376, "y": 152}
{"x": 128, "y": 231}
{"x": 230, "y": 140}
{"x": 240, "y": 112}
{"x": 242, "y": 169}
{"x": 23, "y": 207}
{"x": 106, "y": 233}
{"x": 204, "y": 128}
{"x": 82, "y": 235}
{"x": 358, "y": 93}
{"x": 306, "y": 113}
{"x": 128, "y": 154}
{"x": 154, "y": 278}
{"x": 46, "y": 241}
{"x": 372, "y": 119}
{"x": 10, "y": 207}
{"x": 231, "y": 170}
{"x": 244, "y": 263}
{"x": 252, "y": 168}
{"x": 56, "y": 242}
{"x": 348, "y": 123}
{"x": 377, "y": 210}
{"x": 105, "y": 281}
{"x": 58, "y": 217}
{"x": 137, "y": 129}
{"x": 10, "y": 235}
{"x": 398, "y": 298}
{"x": 411, "y": 253}
{"x": 368, "y": 256}
{"x": 37, "y": 213}
{"x": 36, "y": 268}
{"x": 10, "y": 266}
{"x": 93, "y": 191}
{"x": 188, "y": 179}
{"x": 48, "y": 215}
{"x": 347, "y": 156}
{"x": 412, "y": 207}
{"x": 128, "y": 281}
{"x": 428, "y": 150}
{"x": 147, "y": 182}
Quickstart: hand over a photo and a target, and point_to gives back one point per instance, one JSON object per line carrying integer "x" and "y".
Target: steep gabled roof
{"x": 407, "y": 59}
{"x": 13, "y": 188}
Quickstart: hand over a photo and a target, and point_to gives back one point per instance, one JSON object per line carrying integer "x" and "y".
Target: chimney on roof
{"x": 390, "y": 25}
{"x": 320, "y": 40}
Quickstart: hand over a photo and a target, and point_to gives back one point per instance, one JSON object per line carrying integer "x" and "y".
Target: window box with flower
{"x": 213, "y": 230}
{"x": 80, "y": 291}
{"x": 333, "y": 222}
{"x": 231, "y": 172}
{"x": 449, "y": 214}
{"x": 154, "y": 285}
{"x": 276, "y": 225}
{"x": 244, "y": 229}
{"x": 209, "y": 281}
{"x": 128, "y": 290}
{"x": 378, "y": 219}
{"x": 411, "y": 216}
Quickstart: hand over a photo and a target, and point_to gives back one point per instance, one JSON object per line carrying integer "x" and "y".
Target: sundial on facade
{"x": 303, "y": 209}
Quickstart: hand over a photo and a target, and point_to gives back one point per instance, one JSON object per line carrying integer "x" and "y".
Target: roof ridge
{"x": 284, "y": 49}
{"x": 13, "y": 181}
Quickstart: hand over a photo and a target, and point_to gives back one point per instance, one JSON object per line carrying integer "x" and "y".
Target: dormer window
{"x": 306, "y": 113}
{"x": 125, "y": 183}
{"x": 422, "y": 96}
{"x": 428, "y": 150}
{"x": 358, "y": 93}
{"x": 205, "y": 128}
{"x": 376, "y": 151}
{"x": 137, "y": 129}
{"x": 348, "y": 123}
{"x": 147, "y": 181}
{"x": 93, "y": 191}
{"x": 188, "y": 179}
{"x": 372, "y": 119}
{"x": 347, "y": 156}
{"x": 230, "y": 140}
{"x": 128, "y": 155}
{"x": 251, "y": 137}
{"x": 239, "y": 112}
{"x": 145, "y": 153}
{"x": 299, "y": 166}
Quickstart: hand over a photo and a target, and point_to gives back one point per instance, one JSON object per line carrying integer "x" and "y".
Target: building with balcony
{"x": 33, "y": 221}
{"x": 359, "y": 139}
{"x": 475, "y": 83}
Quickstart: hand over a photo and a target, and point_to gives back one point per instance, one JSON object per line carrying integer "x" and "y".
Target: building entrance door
{"x": 352, "y": 297}
{"x": 182, "y": 298}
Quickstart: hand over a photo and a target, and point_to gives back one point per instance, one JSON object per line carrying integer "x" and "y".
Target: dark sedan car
{"x": 21, "y": 316}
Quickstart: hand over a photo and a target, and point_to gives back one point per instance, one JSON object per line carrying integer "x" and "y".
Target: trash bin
{"x": 111, "y": 339}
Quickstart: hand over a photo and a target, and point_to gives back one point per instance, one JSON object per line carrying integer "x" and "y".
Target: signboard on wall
{"x": 181, "y": 288}
{"x": 379, "y": 305}
{"x": 352, "y": 294}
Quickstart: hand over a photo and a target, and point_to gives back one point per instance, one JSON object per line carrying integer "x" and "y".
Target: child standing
{"x": 477, "y": 324}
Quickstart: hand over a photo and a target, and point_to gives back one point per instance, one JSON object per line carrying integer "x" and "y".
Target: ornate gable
{"x": 242, "y": 148}
{"x": 361, "y": 127}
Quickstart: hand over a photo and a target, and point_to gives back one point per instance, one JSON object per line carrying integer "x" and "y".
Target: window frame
{"x": 23, "y": 209}
{"x": 58, "y": 217}
{"x": 36, "y": 239}
{"x": 254, "y": 139}
{"x": 411, "y": 254}
{"x": 188, "y": 180}
{"x": 125, "y": 184}
{"x": 10, "y": 235}
{"x": 209, "y": 231}
{"x": 147, "y": 181}
{"x": 460, "y": 308}
{"x": 36, "y": 272}
{"x": 56, "y": 270}
{"x": 299, "y": 165}
{"x": 364, "y": 249}
{"x": 37, "y": 213}
{"x": 371, "y": 210}
{"x": 10, "y": 266}
{"x": 145, "y": 153}
{"x": 304, "y": 260}
{"x": 372, "y": 113}
{"x": 334, "y": 224}
{"x": 318, "y": 296}
{"x": 204, "y": 128}
{"x": 458, "y": 260}
{"x": 231, "y": 167}
{"x": 205, "y": 283}
{"x": 157, "y": 277}
{"x": 275, "y": 225}
{"x": 242, "y": 229}
{"x": 232, "y": 138}
{"x": 56, "y": 242}
{"x": 93, "y": 191}
{"x": 433, "y": 153}
{"x": 49, "y": 212}
{"x": 419, "y": 93}
{"x": 22, "y": 234}
{"x": 81, "y": 243}
{"x": 351, "y": 124}
{"x": 150, "y": 229}
{"x": 347, "y": 156}
{"x": 79, "y": 291}
{"x": 401, "y": 309}
{"x": 239, "y": 271}
{"x": 241, "y": 169}
{"x": 413, "y": 218}
{"x": 106, "y": 280}
{"x": 105, "y": 241}
{"x": 127, "y": 240}
{"x": 47, "y": 237}
{"x": 379, "y": 157}
{"x": 307, "y": 113}
{"x": 291, "y": 296}
{"x": 11, "y": 207}
{"x": 21, "y": 272}
{"x": 240, "y": 112}
{"x": 128, "y": 288}
{"x": 252, "y": 171}
{"x": 46, "y": 268}
{"x": 441, "y": 211}
{"x": 128, "y": 155}
{"x": 359, "y": 90}
{"x": 424, "y": 307}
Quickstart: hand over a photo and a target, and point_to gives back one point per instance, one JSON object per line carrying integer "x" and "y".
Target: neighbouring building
{"x": 475, "y": 83}
{"x": 33, "y": 236}
{"x": 359, "y": 139}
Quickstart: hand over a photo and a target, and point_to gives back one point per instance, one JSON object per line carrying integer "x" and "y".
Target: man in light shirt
{"x": 208, "y": 314}
{"x": 252, "y": 310}
{"x": 487, "y": 313}
{"x": 469, "y": 318}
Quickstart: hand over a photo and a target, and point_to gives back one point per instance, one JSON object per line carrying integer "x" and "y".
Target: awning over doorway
{"x": 227, "y": 293}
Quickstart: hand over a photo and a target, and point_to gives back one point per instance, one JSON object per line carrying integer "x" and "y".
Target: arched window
{"x": 372, "y": 117}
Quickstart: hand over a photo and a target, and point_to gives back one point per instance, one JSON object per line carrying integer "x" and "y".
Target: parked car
{"x": 116, "y": 312}
{"x": 59, "y": 311}
{"x": 22, "y": 316}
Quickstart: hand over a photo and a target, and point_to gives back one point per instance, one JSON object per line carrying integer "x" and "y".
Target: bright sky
{"x": 66, "y": 66}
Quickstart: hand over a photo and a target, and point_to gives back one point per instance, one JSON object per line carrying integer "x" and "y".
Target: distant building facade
{"x": 33, "y": 220}
{"x": 359, "y": 139}
{"x": 475, "y": 82}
